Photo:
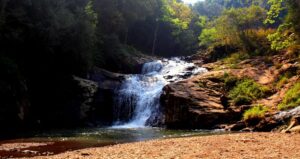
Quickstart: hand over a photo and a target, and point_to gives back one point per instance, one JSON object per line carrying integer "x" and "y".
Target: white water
{"x": 140, "y": 94}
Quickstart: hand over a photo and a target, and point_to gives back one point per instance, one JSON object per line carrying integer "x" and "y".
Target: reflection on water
{"x": 66, "y": 140}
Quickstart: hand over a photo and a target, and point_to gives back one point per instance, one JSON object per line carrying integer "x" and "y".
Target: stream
{"x": 59, "y": 141}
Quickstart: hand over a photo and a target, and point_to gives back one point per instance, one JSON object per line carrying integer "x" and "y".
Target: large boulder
{"x": 108, "y": 83}
{"x": 88, "y": 90}
{"x": 197, "y": 103}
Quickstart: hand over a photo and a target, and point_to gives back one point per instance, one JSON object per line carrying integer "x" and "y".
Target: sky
{"x": 191, "y": 1}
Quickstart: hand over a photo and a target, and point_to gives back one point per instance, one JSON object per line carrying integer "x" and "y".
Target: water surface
{"x": 66, "y": 140}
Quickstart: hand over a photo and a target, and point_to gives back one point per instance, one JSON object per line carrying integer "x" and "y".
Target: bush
{"x": 246, "y": 91}
{"x": 256, "y": 112}
{"x": 291, "y": 98}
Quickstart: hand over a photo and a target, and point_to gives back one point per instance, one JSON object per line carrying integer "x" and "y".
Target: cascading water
{"x": 138, "y": 100}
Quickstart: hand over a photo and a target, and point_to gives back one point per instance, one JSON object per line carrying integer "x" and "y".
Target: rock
{"x": 108, "y": 83}
{"x": 295, "y": 129}
{"x": 237, "y": 126}
{"x": 283, "y": 115}
{"x": 85, "y": 154}
{"x": 281, "y": 118}
{"x": 89, "y": 88}
{"x": 196, "y": 103}
{"x": 294, "y": 125}
{"x": 267, "y": 124}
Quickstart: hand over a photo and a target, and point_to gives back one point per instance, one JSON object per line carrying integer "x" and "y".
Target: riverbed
{"x": 59, "y": 141}
{"x": 226, "y": 146}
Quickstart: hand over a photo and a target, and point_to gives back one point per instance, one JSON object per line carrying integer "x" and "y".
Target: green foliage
{"x": 283, "y": 37}
{"x": 274, "y": 11}
{"x": 177, "y": 14}
{"x": 288, "y": 32}
{"x": 208, "y": 36}
{"x": 284, "y": 78}
{"x": 233, "y": 27}
{"x": 230, "y": 81}
{"x": 235, "y": 58}
{"x": 282, "y": 81}
{"x": 247, "y": 90}
{"x": 89, "y": 10}
{"x": 256, "y": 112}
{"x": 291, "y": 98}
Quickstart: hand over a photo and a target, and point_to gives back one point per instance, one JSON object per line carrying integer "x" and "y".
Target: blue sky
{"x": 191, "y": 1}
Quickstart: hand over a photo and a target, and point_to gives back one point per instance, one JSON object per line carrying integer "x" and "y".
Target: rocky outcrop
{"x": 197, "y": 103}
{"x": 103, "y": 102}
{"x": 89, "y": 89}
{"x": 278, "y": 121}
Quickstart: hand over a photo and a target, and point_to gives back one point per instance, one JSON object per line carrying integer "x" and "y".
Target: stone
{"x": 197, "y": 103}
{"x": 108, "y": 82}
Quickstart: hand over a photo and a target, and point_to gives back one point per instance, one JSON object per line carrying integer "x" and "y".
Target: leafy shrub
{"x": 256, "y": 112}
{"x": 291, "y": 98}
{"x": 282, "y": 38}
{"x": 247, "y": 90}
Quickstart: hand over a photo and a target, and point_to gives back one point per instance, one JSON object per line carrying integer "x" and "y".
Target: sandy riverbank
{"x": 245, "y": 145}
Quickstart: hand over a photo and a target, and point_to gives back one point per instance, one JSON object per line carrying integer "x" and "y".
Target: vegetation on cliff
{"x": 291, "y": 98}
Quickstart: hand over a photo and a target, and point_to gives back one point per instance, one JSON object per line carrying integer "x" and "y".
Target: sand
{"x": 231, "y": 146}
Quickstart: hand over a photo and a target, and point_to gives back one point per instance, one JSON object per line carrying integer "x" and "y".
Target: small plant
{"x": 255, "y": 113}
{"x": 283, "y": 79}
{"x": 246, "y": 91}
{"x": 291, "y": 98}
{"x": 230, "y": 81}
{"x": 235, "y": 58}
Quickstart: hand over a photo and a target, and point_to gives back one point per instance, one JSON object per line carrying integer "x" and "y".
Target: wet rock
{"x": 108, "y": 83}
{"x": 237, "y": 126}
{"x": 30, "y": 152}
{"x": 89, "y": 88}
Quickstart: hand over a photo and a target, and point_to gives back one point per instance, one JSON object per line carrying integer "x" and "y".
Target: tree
{"x": 233, "y": 27}
{"x": 288, "y": 32}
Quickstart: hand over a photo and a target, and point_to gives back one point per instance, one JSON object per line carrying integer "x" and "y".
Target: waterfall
{"x": 138, "y": 100}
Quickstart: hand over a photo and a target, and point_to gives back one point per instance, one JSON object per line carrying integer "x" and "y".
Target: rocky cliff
{"x": 198, "y": 103}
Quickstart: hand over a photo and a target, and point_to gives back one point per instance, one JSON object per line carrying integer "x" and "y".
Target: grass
{"x": 235, "y": 58}
{"x": 246, "y": 91}
{"x": 230, "y": 81}
{"x": 291, "y": 98}
{"x": 283, "y": 79}
{"x": 256, "y": 112}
